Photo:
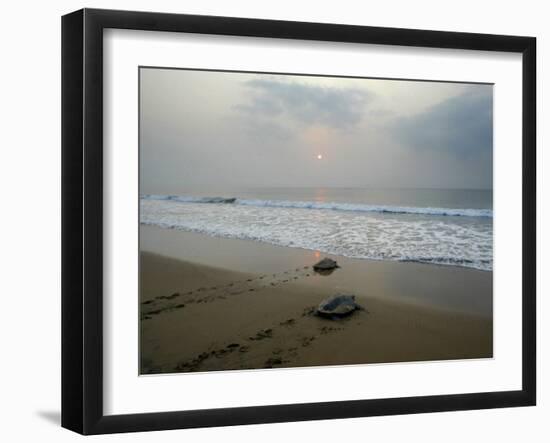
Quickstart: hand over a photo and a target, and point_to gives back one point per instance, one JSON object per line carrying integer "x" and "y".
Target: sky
{"x": 226, "y": 130}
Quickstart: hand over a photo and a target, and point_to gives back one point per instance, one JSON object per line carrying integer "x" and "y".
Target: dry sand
{"x": 196, "y": 317}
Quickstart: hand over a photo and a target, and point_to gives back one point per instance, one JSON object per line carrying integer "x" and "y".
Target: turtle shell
{"x": 325, "y": 264}
{"x": 337, "y": 306}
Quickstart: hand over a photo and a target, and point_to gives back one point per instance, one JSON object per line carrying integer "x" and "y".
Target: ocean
{"x": 452, "y": 227}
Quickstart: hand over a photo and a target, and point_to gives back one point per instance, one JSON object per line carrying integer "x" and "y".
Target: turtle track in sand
{"x": 258, "y": 347}
{"x": 207, "y": 294}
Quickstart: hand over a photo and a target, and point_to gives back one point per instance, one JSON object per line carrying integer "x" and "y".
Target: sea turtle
{"x": 338, "y": 305}
{"x": 326, "y": 264}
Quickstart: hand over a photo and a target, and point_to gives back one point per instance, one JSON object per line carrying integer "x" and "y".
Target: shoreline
{"x": 466, "y": 290}
{"x": 328, "y": 254}
{"x": 240, "y": 312}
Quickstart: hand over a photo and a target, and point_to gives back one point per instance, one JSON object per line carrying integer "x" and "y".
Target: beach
{"x": 244, "y": 191}
{"x": 210, "y": 303}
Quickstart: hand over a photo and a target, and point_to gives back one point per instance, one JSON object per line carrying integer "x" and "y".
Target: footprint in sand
{"x": 232, "y": 288}
{"x": 263, "y": 334}
{"x": 270, "y": 362}
{"x": 327, "y": 329}
{"x": 308, "y": 311}
{"x": 194, "y": 363}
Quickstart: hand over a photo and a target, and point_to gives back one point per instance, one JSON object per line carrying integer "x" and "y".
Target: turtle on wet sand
{"x": 337, "y": 306}
{"x": 326, "y": 264}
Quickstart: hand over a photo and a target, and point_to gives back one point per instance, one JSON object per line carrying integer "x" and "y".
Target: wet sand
{"x": 218, "y": 304}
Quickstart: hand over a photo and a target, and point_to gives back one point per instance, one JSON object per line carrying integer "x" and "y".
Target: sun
{"x": 319, "y": 156}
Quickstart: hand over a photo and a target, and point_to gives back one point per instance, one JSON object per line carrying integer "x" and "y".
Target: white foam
{"x": 454, "y": 241}
{"x": 334, "y": 206}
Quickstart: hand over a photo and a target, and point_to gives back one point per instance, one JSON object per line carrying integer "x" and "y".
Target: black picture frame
{"x": 82, "y": 219}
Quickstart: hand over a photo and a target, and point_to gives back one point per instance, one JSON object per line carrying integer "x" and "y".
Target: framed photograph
{"x": 269, "y": 221}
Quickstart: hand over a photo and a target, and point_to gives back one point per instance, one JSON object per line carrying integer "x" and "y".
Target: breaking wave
{"x": 333, "y": 206}
{"x": 366, "y": 233}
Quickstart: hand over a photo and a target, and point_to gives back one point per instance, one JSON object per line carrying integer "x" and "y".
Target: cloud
{"x": 268, "y": 129}
{"x": 461, "y": 126}
{"x": 304, "y": 104}
{"x": 215, "y": 131}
